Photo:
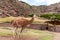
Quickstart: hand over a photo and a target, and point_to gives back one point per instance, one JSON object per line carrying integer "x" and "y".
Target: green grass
{"x": 42, "y": 35}
{"x": 48, "y": 16}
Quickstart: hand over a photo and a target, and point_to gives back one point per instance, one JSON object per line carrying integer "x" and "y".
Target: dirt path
{"x": 5, "y": 25}
{"x": 57, "y": 36}
{"x": 11, "y": 38}
{"x": 6, "y": 38}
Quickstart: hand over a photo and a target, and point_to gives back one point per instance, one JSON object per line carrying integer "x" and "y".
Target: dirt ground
{"x": 11, "y": 38}
{"x": 57, "y": 36}
{"x": 5, "y": 25}
{"x": 6, "y": 38}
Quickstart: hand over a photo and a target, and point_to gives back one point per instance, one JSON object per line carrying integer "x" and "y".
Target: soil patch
{"x": 11, "y": 38}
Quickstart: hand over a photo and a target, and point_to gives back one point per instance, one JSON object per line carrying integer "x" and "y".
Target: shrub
{"x": 30, "y": 15}
{"x": 48, "y": 16}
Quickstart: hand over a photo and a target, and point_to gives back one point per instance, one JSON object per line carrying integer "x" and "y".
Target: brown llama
{"x": 21, "y": 22}
{"x": 57, "y": 22}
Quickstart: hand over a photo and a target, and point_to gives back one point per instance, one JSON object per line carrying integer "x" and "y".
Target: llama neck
{"x": 32, "y": 19}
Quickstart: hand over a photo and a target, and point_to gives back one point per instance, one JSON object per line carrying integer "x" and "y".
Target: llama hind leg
{"x": 22, "y": 29}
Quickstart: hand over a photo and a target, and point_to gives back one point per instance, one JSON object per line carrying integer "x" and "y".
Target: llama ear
{"x": 35, "y": 16}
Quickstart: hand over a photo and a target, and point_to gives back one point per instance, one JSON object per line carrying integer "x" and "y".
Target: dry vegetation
{"x": 8, "y": 19}
{"x": 41, "y": 35}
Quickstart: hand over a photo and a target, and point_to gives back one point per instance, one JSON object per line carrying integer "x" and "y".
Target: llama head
{"x": 34, "y": 15}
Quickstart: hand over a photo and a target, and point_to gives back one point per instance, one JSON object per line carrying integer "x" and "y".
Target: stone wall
{"x": 37, "y": 27}
{"x": 57, "y": 28}
{"x": 45, "y": 27}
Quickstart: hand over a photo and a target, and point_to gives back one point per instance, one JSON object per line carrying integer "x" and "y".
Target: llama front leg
{"x": 19, "y": 34}
{"x": 15, "y": 33}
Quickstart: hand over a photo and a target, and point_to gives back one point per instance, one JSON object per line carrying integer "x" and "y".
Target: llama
{"x": 54, "y": 23}
{"x": 21, "y": 22}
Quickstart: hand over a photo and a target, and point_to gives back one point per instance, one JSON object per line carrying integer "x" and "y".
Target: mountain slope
{"x": 18, "y": 7}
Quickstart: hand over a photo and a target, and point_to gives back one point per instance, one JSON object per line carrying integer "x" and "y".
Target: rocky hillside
{"x": 53, "y": 8}
{"x": 39, "y": 9}
{"x": 14, "y": 7}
